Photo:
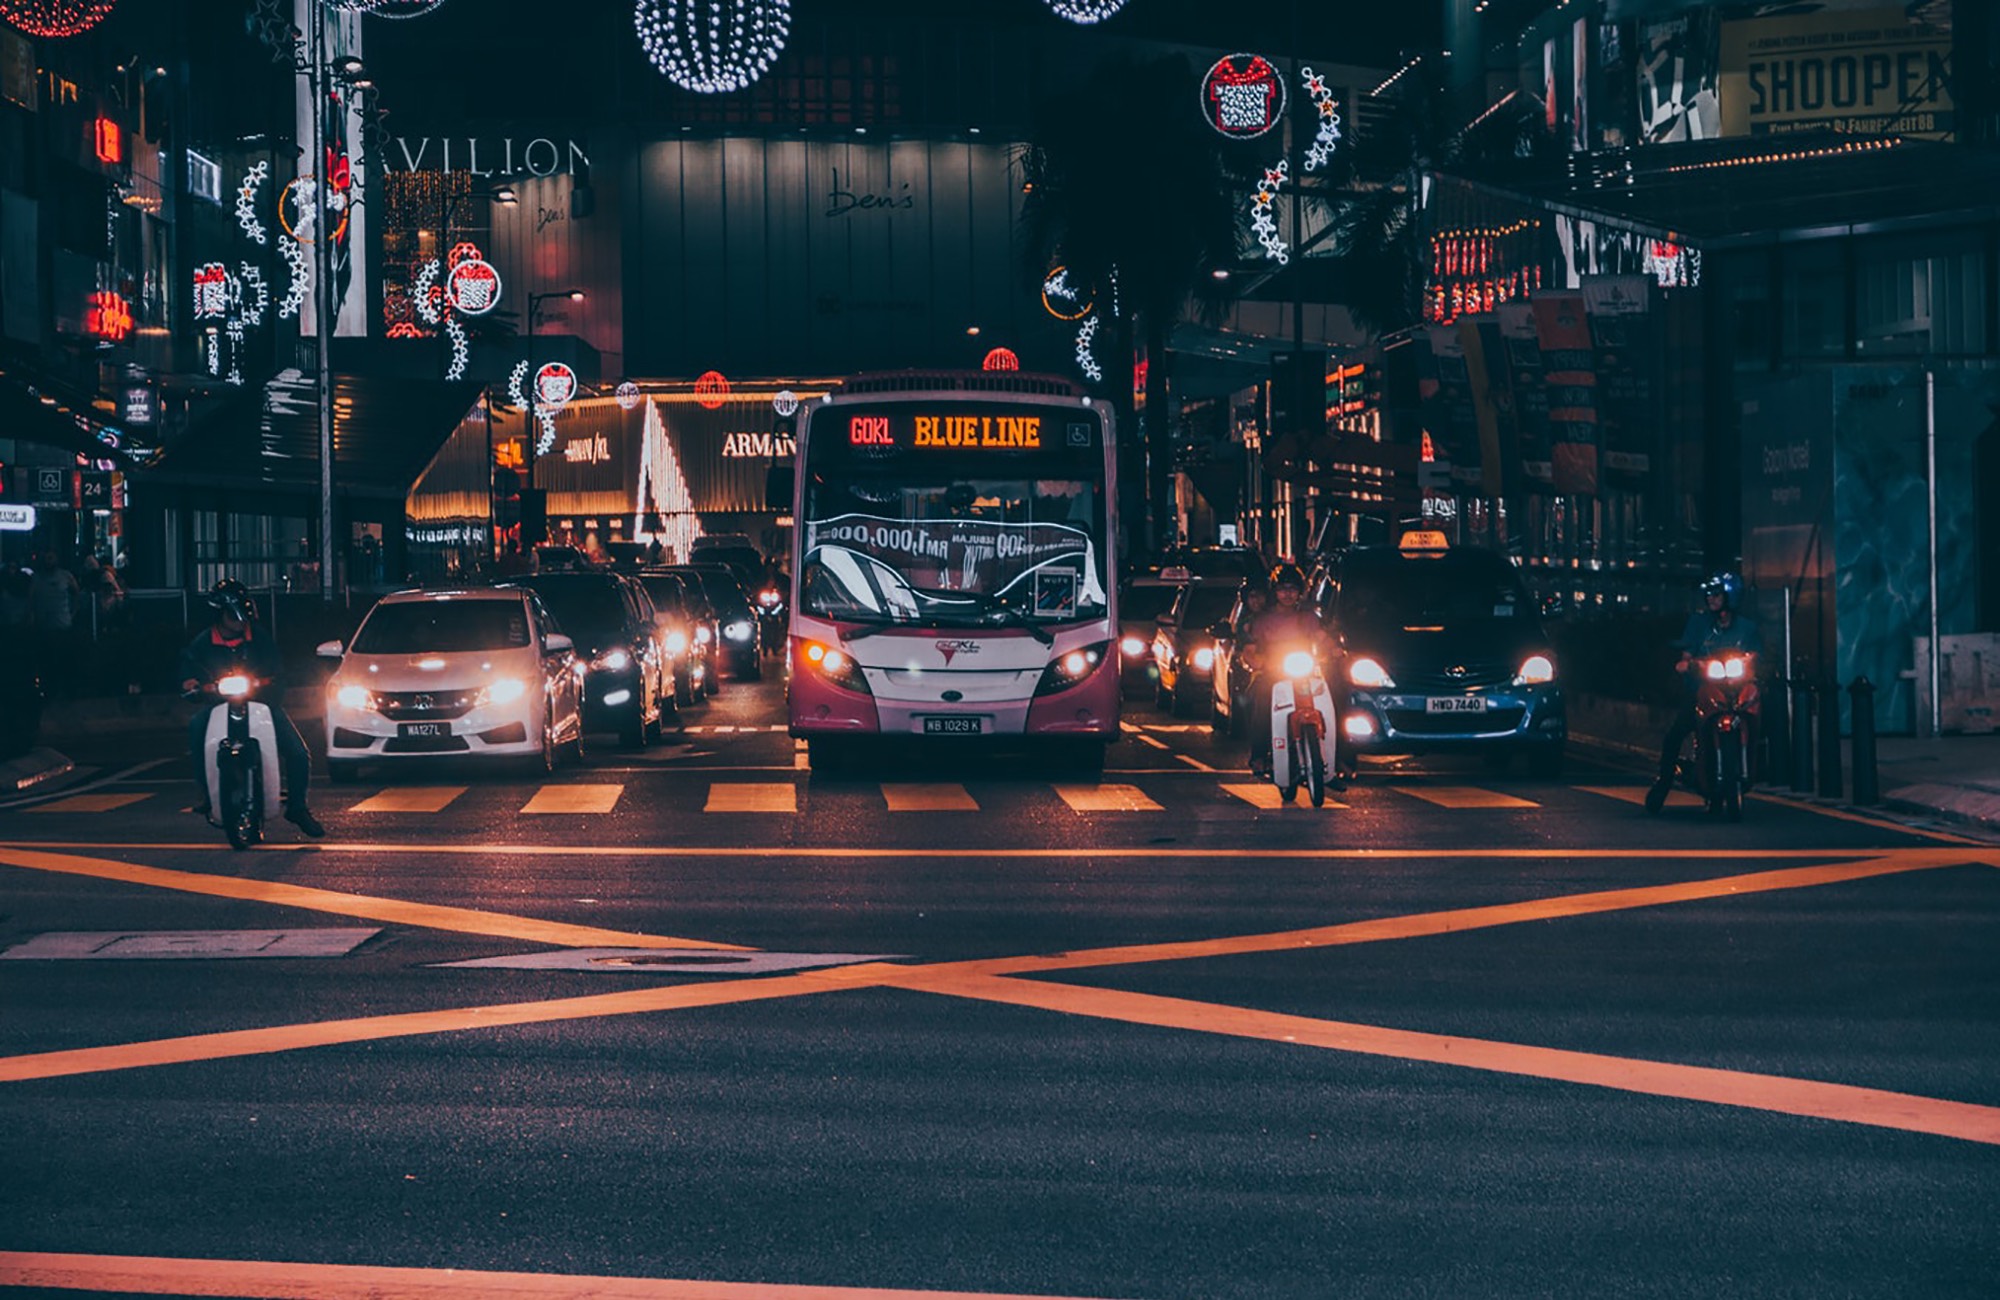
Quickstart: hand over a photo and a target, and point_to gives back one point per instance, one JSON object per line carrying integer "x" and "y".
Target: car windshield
{"x": 718, "y": 587}
{"x": 443, "y": 626}
{"x": 667, "y": 593}
{"x": 1142, "y": 603}
{"x": 584, "y": 606}
{"x": 1390, "y": 591}
{"x": 1206, "y": 605}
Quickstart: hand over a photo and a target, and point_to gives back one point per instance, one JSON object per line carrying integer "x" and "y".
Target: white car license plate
{"x": 1455, "y": 704}
{"x": 954, "y": 726}
{"x": 410, "y": 730}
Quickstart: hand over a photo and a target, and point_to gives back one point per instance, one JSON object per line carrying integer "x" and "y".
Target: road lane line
{"x": 574, "y": 799}
{"x": 462, "y": 920}
{"x": 1463, "y": 796}
{"x": 1429, "y": 924}
{"x": 753, "y": 797}
{"x": 1262, "y": 794}
{"x": 157, "y": 1275}
{"x": 1155, "y": 743}
{"x": 1809, "y": 1098}
{"x": 1194, "y": 763}
{"x": 411, "y": 799}
{"x": 1106, "y": 798}
{"x": 929, "y": 797}
{"x": 90, "y": 803}
{"x": 364, "y": 1029}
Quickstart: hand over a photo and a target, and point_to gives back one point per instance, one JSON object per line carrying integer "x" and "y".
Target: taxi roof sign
{"x": 1424, "y": 539}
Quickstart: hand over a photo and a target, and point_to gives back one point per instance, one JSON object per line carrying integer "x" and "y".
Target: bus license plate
{"x": 1455, "y": 704}
{"x": 953, "y": 726}
{"x": 411, "y": 730}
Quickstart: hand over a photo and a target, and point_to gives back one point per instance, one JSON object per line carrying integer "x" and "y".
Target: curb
{"x": 32, "y": 769}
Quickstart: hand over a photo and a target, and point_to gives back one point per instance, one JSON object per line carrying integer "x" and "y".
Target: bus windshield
{"x": 966, "y": 515}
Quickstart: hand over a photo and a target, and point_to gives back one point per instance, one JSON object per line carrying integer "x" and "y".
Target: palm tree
{"x": 1127, "y": 185}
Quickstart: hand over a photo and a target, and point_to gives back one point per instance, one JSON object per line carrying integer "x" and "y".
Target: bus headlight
{"x": 835, "y": 665}
{"x": 1072, "y": 667}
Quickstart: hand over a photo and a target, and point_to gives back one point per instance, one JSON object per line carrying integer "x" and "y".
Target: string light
{"x": 1397, "y": 75}
{"x": 1086, "y": 333}
{"x": 1320, "y": 151}
{"x": 246, "y": 201}
{"x": 388, "y": 8}
{"x": 706, "y": 48}
{"x": 1793, "y": 155}
{"x": 55, "y": 18}
{"x": 1262, "y": 222}
{"x": 1086, "y": 11}
{"x": 663, "y": 488}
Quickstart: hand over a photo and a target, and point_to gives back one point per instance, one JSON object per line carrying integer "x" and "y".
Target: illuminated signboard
{"x": 1243, "y": 96}
{"x": 110, "y": 317}
{"x": 978, "y": 431}
{"x": 869, "y": 431}
{"x": 990, "y": 430}
{"x": 17, "y": 519}
{"x": 110, "y": 142}
{"x": 758, "y": 446}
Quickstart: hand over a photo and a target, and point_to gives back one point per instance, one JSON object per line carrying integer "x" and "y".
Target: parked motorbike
{"x": 772, "y": 618}
{"x": 240, "y": 760}
{"x": 1302, "y": 727}
{"x": 1726, "y": 707}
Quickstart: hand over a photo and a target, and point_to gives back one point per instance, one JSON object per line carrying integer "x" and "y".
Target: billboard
{"x": 1676, "y": 79}
{"x": 1865, "y": 72}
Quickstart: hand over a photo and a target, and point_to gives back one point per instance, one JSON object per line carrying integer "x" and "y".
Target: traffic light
{"x": 534, "y": 516}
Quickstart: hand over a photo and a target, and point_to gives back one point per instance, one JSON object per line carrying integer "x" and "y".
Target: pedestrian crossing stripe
{"x": 1106, "y": 798}
{"x": 929, "y": 797}
{"x": 90, "y": 803}
{"x": 411, "y": 799}
{"x": 1464, "y": 796}
{"x": 574, "y": 799}
{"x": 1262, "y": 794}
{"x": 753, "y": 797}
{"x": 1637, "y": 794}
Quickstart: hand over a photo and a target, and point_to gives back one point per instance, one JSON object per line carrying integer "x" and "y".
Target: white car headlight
{"x": 1204, "y": 659}
{"x": 677, "y": 643}
{"x": 504, "y": 691}
{"x": 701, "y": 636}
{"x": 1366, "y": 673}
{"x": 613, "y": 660}
{"x": 1132, "y": 646}
{"x": 1536, "y": 670}
{"x": 737, "y": 631}
{"x": 355, "y": 697}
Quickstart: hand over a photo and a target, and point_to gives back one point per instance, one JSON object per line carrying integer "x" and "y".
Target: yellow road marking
{"x": 154, "y": 1275}
{"x": 1262, "y": 794}
{"x": 1806, "y": 1097}
{"x": 411, "y": 799}
{"x": 574, "y": 799}
{"x": 753, "y": 797}
{"x": 89, "y": 803}
{"x": 1676, "y": 798}
{"x": 1194, "y": 763}
{"x": 458, "y": 919}
{"x": 1106, "y": 798}
{"x": 1464, "y": 796}
{"x": 937, "y": 797}
{"x": 1156, "y": 744}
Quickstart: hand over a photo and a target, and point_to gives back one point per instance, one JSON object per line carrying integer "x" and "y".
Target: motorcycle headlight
{"x": 1716, "y": 672}
{"x": 1204, "y": 659}
{"x": 235, "y": 686}
{"x": 355, "y": 697}
{"x": 1733, "y": 668}
{"x": 612, "y": 660}
{"x": 1133, "y": 647}
{"x": 1072, "y": 667}
{"x": 1366, "y": 673}
{"x": 836, "y": 666}
{"x": 737, "y": 631}
{"x": 504, "y": 690}
{"x": 677, "y": 643}
{"x": 768, "y": 599}
{"x": 1536, "y": 670}
{"x": 1299, "y": 663}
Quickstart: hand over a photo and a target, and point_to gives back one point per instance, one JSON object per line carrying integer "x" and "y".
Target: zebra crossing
{"x": 1162, "y": 792}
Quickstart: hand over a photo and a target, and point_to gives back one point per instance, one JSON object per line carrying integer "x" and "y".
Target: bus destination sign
{"x": 952, "y": 431}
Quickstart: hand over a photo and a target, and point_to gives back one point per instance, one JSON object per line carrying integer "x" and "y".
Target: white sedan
{"x": 477, "y": 672}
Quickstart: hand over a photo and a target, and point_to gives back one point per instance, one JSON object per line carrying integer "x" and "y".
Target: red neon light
{"x": 869, "y": 431}
{"x": 1430, "y": 453}
{"x": 711, "y": 390}
{"x": 110, "y": 317}
{"x": 110, "y": 141}
{"x": 1001, "y": 359}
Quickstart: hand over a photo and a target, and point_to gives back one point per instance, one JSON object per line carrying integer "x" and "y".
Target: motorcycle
{"x": 240, "y": 760}
{"x": 771, "y": 618}
{"x": 1726, "y": 707}
{"x": 1302, "y": 728}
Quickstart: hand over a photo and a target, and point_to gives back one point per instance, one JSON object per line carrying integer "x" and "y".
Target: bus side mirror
{"x": 779, "y": 482}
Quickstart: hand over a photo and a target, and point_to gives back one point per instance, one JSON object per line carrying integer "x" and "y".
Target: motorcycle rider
{"x": 231, "y": 644}
{"x": 1287, "y": 622}
{"x": 1711, "y": 630}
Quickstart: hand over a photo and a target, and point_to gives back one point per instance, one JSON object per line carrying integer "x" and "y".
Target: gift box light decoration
{"x": 712, "y": 47}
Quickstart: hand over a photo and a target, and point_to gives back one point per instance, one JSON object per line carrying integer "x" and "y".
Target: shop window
{"x": 1813, "y": 291}
{"x": 1916, "y": 297}
{"x": 1747, "y": 309}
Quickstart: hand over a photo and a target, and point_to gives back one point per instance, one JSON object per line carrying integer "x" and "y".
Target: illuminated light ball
{"x": 388, "y": 8}
{"x": 628, "y": 396}
{"x": 1001, "y": 359}
{"x": 1086, "y": 11}
{"x": 785, "y": 402}
{"x": 713, "y": 48}
{"x": 55, "y": 18}
{"x": 711, "y": 390}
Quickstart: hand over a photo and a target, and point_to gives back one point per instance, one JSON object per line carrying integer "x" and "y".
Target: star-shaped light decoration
{"x": 1320, "y": 152}
{"x": 1262, "y": 222}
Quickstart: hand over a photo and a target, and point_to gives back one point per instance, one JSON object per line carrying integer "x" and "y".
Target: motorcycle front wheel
{"x": 236, "y": 808}
{"x": 1313, "y": 760}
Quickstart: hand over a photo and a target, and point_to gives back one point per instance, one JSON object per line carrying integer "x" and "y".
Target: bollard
{"x": 1775, "y": 734}
{"x": 1829, "y": 740}
{"x": 1867, "y": 791}
{"x": 1802, "y": 740}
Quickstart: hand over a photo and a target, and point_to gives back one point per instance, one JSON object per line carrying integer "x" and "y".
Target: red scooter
{"x": 1726, "y": 707}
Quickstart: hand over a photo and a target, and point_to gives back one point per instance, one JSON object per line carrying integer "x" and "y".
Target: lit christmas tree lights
{"x": 714, "y": 47}
{"x": 1086, "y": 11}
{"x": 663, "y": 489}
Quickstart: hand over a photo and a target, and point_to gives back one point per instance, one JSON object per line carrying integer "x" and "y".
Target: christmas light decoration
{"x": 785, "y": 402}
{"x": 424, "y": 290}
{"x": 299, "y": 273}
{"x": 663, "y": 489}
{"x": 55, "y": 18}
{"x": 1086, "y": 333}
{"x": 1243, "y": 96}
{"x": 211, "y": 291}
{"x": 109, "y": 317}
{"x": 1001, "y": 359}
{"x": 1262, "y": 222}
{"x": 711, "y": 390}
{"x": 473, "y": 286}
{"x": 246, "y": 200}
{"x": 628, "y": 396}
{"x": 714, "y": 47}
{"x": 249, "y": 294}
{"x": 461, "y": 350}
{"x": 1320, "y": 151}
{"x": 1086, "y": 11}
{"x": 1062, "y": 299}
{"x": 388, "y": 8}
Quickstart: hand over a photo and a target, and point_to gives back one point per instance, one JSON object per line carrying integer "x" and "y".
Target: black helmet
{"x": 1726, "y": 585}
{"x": 1287, "y": 575}
{"x": 232, "y": 597}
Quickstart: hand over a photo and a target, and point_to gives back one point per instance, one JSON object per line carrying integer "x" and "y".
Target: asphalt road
{"x": 966, "y": 1026}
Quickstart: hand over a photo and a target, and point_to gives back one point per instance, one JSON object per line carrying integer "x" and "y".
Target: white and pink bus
{"x": 952, "y": 575}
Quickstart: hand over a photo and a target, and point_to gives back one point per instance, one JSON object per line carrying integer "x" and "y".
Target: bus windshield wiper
{"x": 1016, "y": 617}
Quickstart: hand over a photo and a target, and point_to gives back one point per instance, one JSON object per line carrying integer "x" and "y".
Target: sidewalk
{"x": 1953, "y": 778}
{"x": 69, "y": 726}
